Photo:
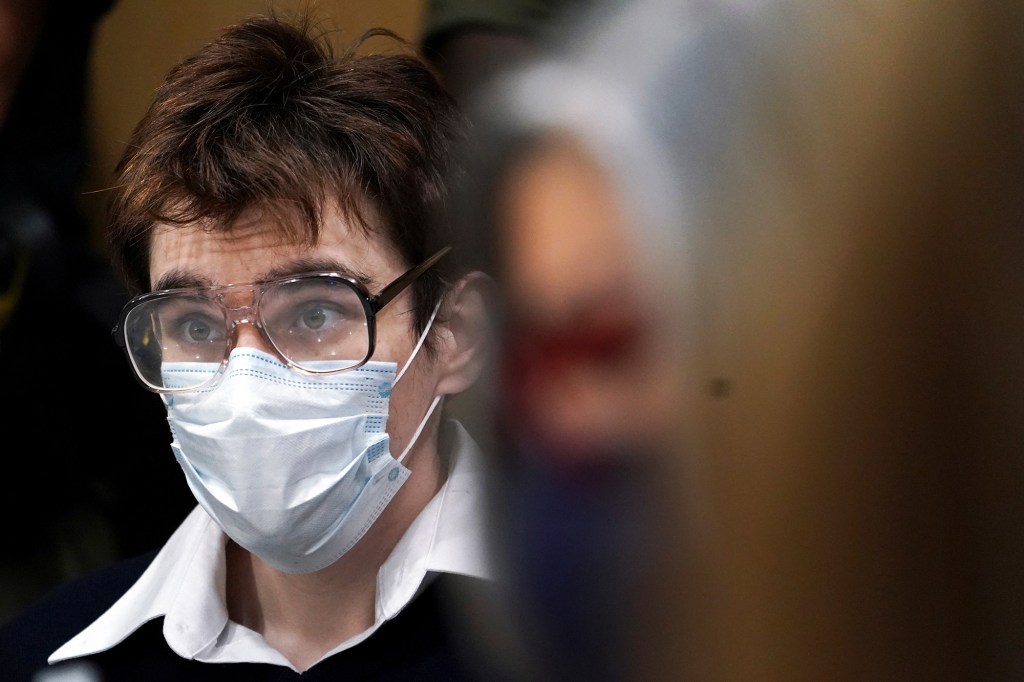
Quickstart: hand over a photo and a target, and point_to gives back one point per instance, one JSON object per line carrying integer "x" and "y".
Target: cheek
{"x": 393, "y": 343}
{"x": 413, "y": 389}
{"x": 413, "y": 377}
{"x": 410, "y": 401}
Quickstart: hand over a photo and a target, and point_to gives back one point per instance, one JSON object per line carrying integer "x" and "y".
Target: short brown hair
{"x": 267, "y": 117}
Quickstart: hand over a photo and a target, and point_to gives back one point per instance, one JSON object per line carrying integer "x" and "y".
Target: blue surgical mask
{"x": 294, "y": 468}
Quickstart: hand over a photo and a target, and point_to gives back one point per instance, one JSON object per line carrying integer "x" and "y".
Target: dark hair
{"x": 267, "y": 117}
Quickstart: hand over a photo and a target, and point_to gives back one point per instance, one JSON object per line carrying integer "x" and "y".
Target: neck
{"x": 301, "y": 615}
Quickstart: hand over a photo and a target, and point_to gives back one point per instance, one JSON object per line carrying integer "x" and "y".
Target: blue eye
{"x": 195, "y": 326}
{"x": 317, "y": 315}
{"x": 197, "y": 330}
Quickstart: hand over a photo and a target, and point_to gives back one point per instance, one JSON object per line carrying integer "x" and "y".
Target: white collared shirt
{"x": 185, "y": 582}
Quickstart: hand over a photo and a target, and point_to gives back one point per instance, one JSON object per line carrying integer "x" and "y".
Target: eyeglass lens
{"x": 179, "y": 341}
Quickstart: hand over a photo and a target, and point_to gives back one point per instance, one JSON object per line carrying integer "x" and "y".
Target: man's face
{"x": 253, "y": 252}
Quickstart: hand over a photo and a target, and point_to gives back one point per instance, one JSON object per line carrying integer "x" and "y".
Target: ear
{"x": 466, "y": 333}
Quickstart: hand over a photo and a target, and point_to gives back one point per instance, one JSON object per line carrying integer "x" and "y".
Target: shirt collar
{"x": 446, "y": 537}
{"x": 185, "y": 581}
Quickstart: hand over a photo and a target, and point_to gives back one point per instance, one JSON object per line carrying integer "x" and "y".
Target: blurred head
{"x": 578, "y": 179}
{"x": 576, "y": 194}
{"x": 583, "y": 371}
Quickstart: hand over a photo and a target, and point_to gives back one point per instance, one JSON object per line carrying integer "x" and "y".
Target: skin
{"x": 304, "y": 616}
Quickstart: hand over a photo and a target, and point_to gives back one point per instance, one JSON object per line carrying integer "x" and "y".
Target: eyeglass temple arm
{"x": 396, "y": 287}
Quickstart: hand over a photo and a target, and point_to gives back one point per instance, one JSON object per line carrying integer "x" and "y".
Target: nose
{"x": 240, "y": 304}
{"x": 248, "y": 336}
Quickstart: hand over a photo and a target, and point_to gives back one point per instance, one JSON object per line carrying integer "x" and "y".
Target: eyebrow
{"x": 182, "y": 279}
{"x": 301, "y": 266}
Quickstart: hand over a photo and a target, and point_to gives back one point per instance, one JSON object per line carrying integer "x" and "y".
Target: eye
{"x": 197, "y": 327}
{"x": 190, "y": 321}
{"x": 196, "y": 330}
{"x": 314, "y": 317}
{"x": 312, "y": 307}
{"x": 321, "y": 315}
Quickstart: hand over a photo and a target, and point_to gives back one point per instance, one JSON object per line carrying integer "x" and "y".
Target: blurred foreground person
{"x": 302, "y": 313}
{"x": 588, "y": 245}
{"x": 763, "y": 274}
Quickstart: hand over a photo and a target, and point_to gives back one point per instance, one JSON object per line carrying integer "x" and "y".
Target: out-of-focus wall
{"x": 139, "y": 40}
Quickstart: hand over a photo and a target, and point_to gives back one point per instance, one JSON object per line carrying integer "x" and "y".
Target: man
{"x": 304, "y": 315}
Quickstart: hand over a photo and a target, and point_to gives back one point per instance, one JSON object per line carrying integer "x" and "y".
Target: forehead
{"x": 254, "y": 250}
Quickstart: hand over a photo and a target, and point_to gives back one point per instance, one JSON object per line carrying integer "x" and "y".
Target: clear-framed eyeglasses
{"x": 318, "y": 323}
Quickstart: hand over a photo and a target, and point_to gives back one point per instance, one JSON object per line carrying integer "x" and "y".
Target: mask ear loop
{"x": 419, "y": 429}
{"x": 437, "y": 398}
{"x": 419, "y": 343}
